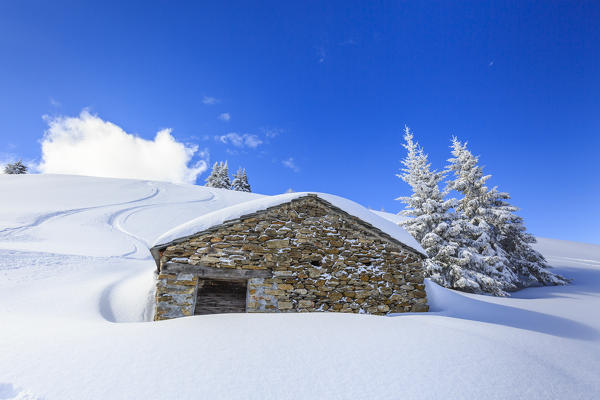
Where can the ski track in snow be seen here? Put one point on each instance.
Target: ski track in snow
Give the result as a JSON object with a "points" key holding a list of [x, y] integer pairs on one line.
{"points": [[118, 220], [8, 232]]}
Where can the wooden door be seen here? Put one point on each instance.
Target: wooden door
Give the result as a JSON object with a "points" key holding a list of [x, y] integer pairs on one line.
{"points": [[220, 296]]}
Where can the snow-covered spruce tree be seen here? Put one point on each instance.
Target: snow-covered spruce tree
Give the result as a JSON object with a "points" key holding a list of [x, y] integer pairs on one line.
{"points": [[15, 168], [498, 236], [245, 183], [432, 223], [529, 265], [224, 181], [219, 176], [212, 180], [236, 183], [240, 181]]}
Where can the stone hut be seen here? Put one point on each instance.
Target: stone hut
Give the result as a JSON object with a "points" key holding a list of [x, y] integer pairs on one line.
{"points": [[289, 253]]}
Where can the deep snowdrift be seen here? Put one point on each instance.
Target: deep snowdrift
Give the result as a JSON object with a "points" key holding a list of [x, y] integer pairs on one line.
{"points": [[76, 282]]}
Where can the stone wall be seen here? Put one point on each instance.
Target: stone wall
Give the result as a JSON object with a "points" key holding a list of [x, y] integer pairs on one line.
{"points": [[305, 255]]}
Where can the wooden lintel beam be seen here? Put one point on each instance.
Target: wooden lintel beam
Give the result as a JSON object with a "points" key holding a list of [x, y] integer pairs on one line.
{"points": [[216, 273]]}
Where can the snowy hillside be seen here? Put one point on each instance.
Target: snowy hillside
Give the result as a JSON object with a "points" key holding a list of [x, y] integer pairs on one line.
{"points": [[76, 282]]}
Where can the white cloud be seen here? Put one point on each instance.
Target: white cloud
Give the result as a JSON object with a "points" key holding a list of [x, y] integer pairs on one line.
{"points": [[88, 145], [204, 154], [210, 100], [252, 141], [289, 163], [238, 140], [272, 132], [225, 117], [54, 102]]}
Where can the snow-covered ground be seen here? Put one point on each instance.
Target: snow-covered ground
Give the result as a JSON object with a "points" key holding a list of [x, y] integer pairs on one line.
{"points": [[76, 282]]}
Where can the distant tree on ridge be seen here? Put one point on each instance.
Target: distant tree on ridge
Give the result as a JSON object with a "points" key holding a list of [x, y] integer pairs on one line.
{"points": [[15, 168], [240, 181], [219, 176]]}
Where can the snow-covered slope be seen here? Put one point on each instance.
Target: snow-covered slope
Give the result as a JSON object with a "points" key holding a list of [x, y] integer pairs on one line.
{"points": [[76, 282]]}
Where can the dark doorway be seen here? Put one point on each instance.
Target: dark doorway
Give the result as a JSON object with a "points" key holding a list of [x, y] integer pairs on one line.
{"points": [[220, 297]]}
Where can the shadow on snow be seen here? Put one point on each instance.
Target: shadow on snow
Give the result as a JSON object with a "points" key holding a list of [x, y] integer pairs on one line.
{"points": [[449, 303]]}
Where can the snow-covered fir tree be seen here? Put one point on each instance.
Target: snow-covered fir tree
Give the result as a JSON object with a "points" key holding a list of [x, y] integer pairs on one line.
{"points": [[15, 168], [219, 176], [240, 181], [487, 256], [224, 176], [451, 261], [501, 243], [429, 211], [529, 264], [245, 184], [236, 183], [426, 204], [211, 180]]}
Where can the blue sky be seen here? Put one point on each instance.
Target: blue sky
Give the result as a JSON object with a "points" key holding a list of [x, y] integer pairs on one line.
{"points": [[326, 88]]}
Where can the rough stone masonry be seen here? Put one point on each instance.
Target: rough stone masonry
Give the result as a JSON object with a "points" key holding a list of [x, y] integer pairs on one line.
{"points": [[303, 255]]}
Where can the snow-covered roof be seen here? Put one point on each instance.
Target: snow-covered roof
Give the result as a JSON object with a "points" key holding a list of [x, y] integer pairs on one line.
{"points": [[233, 212]]}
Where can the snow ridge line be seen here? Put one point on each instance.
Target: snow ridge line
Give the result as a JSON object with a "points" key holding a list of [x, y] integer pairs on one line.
{"points": [[583, 261]]}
